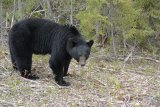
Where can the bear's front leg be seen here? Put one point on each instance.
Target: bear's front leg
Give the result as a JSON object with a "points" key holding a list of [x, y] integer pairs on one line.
{"points": [[57, 69], [65, 67]]}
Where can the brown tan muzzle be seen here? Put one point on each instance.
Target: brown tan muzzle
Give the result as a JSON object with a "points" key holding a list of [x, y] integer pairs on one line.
{"points": [[82, 61]]}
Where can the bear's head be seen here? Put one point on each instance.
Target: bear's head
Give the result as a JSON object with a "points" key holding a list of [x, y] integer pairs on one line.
{"points": [[79, 49]]}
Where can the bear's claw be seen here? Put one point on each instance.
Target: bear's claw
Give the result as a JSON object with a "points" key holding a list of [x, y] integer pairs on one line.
{"points": [[30, 76], [61, 82], [33, 77]]}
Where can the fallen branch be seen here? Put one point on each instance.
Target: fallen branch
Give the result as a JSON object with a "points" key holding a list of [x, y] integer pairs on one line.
{"points": [[146, 58], [36, 12], [3, 68], [127, 58]]}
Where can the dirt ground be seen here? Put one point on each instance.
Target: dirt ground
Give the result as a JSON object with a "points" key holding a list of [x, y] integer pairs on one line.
{"points": [[103, 82]]}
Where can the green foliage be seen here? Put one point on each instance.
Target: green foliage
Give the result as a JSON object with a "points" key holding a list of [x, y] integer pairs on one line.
{"points": [[149, 21], [126, 18], [90, 16], [7, 2], [133, 21], [136, 21], [30, 5]]}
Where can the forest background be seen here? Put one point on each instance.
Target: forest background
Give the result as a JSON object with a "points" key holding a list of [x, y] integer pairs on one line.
{"points": [[123, 68], [113, 23]]}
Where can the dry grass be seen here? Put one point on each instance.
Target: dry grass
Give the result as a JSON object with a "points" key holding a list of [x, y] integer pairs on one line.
{"points": [[99, 84]]}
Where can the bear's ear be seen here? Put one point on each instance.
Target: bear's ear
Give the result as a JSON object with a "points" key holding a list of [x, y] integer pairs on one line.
{"points": [[74, 30], [71, 43], [90, 43]]}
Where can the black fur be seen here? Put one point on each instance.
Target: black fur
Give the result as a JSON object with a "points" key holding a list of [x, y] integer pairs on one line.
{"points": [[41, 36]]}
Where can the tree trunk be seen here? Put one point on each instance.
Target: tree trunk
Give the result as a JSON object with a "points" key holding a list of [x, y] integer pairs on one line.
{"points": [[50, 11], [44, 7], [113, 43], [124, 40], [20, 9], [97, 34], [1, 23], [111, 29], [14, 10], [71, 15]]}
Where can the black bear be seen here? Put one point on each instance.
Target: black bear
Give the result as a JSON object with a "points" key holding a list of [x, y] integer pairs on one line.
{"points": [[42, 36]]}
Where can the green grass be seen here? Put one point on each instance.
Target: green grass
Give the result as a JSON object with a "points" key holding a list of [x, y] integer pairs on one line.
{"points": [[101, 82]]}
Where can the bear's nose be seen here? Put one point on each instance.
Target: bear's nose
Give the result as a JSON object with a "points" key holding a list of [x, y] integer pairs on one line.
{"points": [[82, 65], [82, 61]]}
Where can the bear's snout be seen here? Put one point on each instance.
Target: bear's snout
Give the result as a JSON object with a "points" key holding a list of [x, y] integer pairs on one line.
{"points": [[82, 61]]}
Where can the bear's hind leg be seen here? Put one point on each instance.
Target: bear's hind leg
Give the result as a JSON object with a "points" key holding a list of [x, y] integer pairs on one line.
{"points": [[24, 66], [12, 58], [13, 62]]}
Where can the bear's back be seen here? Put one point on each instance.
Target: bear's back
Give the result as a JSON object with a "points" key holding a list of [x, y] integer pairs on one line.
{"points": [[35, 23], [42, 34]]}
